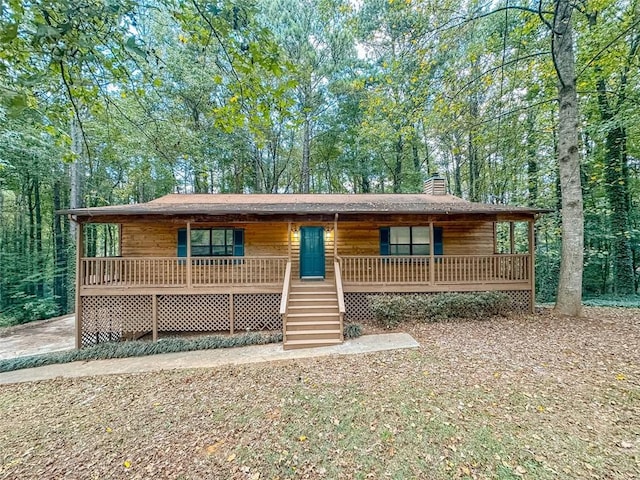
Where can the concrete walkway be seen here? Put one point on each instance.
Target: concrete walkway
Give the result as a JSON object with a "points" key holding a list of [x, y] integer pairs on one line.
{"points": [[208, 358], [38, 337]]}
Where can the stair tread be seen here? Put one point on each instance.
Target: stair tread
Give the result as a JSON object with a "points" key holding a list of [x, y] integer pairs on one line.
{"points": [[298, 315], [314, 322], [313, 287], [313, 332], [312, 299], [313, 294], [302, 307], [308, 289], [333, 341]]}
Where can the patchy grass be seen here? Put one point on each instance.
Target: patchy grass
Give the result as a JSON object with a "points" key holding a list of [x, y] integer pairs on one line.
{"points": [[627, 301], [534, 397]]}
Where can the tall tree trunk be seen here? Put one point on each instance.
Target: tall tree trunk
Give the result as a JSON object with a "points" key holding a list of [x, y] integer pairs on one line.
{"points": [[569, 298], [32, 236], [38, 239], [532, 162], [457, 175], [59, 253], [472, 153], [75, 173], [617, 170], [397, 167], [4, 237], [474, 170], [305, 174], [427, 156], [617, 177]]}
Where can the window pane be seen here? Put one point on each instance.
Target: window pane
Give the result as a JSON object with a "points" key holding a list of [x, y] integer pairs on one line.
{"points": [[217, 237], [421, 249], [400, 250], [199, 237], [400, 235], [219, 250], [199, 251], [420, 235], [229, 234]]}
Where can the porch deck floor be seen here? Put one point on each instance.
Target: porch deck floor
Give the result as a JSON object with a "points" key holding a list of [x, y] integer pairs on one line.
{"points": [[208, 358]]}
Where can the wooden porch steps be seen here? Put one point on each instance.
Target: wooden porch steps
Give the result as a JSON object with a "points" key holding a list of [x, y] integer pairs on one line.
{"points": [[313, 318]]}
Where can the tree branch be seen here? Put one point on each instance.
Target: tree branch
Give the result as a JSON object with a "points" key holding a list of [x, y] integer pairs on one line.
{"points": [[222, 45], [76, 109], [493, 69], [608, 46], [536, 11]]}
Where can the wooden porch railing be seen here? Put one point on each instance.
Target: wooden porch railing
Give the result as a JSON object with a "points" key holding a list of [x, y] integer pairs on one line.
{"points": [[339, 291], [173, 271], [384, 269], [457, 269], [237, 270], [284, 301], [134, 271], [446, 269]]}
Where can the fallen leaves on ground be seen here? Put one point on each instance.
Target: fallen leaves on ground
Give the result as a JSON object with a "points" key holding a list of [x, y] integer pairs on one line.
{"points": [[533, 396]]}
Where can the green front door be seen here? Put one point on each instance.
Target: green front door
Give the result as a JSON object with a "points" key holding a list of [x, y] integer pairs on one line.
{"points": [[311, 252]]}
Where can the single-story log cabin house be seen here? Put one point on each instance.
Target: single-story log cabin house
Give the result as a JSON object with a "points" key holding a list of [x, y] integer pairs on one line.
{"points": [[300, 263]]}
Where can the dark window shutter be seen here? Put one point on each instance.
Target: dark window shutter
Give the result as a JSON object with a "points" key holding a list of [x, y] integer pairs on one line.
{"points": [[238, 243], [182, 242], [437, 241], [384, 240]]}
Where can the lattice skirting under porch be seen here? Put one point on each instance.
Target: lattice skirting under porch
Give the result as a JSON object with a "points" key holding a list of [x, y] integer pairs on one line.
{"points": [[357, 303], [110, 318]]}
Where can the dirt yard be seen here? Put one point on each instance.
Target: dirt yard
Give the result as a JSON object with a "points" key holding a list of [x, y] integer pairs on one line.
{"points": [[33, 338], [533, 397]]}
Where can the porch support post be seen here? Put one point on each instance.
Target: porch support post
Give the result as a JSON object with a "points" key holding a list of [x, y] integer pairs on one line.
{"points": [[231, 313], [512, 245], [79, 278], [189, 278], [532, 265], [289, 240], [120, 239], [154, 310], [335, 237], [432, 260]]}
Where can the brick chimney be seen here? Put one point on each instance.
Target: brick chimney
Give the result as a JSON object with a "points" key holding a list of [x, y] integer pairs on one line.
{"points": [[435, 185]]}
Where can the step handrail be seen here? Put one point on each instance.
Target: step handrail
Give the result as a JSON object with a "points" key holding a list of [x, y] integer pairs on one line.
{"points": [[340, 293], [284, 302]]}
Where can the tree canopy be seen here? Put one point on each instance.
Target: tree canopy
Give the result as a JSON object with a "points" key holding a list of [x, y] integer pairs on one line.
{"points": [[119, 101]]}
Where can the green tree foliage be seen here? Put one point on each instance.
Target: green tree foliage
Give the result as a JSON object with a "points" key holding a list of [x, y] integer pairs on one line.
{"points": [[119, 101]]}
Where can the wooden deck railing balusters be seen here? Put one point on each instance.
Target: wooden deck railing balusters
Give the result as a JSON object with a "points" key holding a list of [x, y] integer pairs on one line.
{"points": [[269, 270], [443, 269]]}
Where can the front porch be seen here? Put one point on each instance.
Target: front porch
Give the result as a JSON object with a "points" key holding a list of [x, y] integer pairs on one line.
{"points": [[263, 274], [123, 296], [252, 266]]}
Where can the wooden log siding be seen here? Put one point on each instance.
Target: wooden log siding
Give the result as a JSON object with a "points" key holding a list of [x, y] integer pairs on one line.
{"points": [[459, 238], [161, 239]]}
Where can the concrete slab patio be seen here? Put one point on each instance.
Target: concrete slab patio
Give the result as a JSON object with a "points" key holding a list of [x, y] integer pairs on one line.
{"points": [[208, 358]]}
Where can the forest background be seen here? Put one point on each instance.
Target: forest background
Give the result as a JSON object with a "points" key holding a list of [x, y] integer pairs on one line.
{"points": [[118, 101]]}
